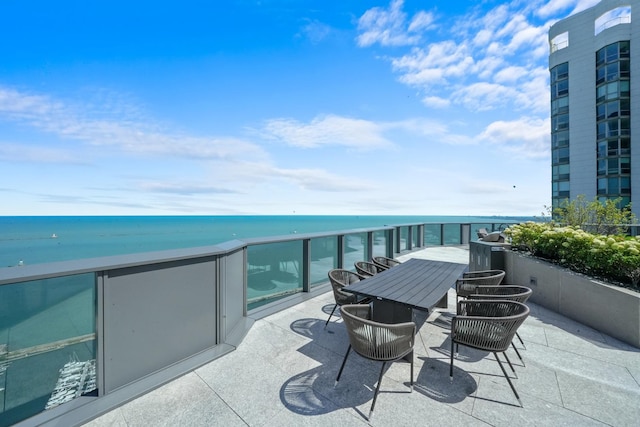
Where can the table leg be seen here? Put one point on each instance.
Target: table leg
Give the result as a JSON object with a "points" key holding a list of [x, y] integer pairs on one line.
{"points": [[444, 301], [391, 312]]}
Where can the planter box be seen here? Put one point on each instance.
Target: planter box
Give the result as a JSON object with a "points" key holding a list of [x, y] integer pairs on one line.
{"points": [[610, 309]]}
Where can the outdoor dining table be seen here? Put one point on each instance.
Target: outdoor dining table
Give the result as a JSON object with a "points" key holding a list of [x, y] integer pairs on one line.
{"points": [[415, 284]]}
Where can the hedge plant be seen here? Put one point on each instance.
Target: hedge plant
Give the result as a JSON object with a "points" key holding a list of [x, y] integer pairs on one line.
{"points": [[614, 258]]}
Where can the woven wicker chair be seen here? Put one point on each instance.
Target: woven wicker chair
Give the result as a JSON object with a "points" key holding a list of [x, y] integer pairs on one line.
{"points": [[381, 342], [385, 262], [340, 278], [506, 292], [488, 325], [368, 269], [470, 280]]}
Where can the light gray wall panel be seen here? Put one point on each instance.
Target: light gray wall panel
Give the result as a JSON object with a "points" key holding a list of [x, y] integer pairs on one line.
{"points": [[155, 316], [232, 268]]}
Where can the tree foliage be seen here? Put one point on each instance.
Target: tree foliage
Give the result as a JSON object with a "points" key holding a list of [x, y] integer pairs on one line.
{"points": [[604, 218]]}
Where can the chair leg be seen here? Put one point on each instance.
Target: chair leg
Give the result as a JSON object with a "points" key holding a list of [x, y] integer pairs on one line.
{"points": [[508, 379], [375, 395], [451, 366], [518, 353], [411, 382], [510, 365], [521, 342], [344, 362], [334, 309]]}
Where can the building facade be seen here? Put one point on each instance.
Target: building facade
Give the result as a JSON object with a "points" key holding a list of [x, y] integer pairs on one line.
{"points": [[594, 65]]}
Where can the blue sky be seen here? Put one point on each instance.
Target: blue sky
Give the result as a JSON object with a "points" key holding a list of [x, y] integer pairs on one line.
{"points": [[276, 107]]}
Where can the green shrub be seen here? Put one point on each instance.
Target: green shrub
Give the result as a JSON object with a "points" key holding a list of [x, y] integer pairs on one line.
{"points": [[615, 258]]}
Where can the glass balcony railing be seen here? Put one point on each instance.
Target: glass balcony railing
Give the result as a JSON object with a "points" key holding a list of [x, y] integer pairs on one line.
{"points": [[81, 330], [273, 270], [323, 257], [47, 344]]}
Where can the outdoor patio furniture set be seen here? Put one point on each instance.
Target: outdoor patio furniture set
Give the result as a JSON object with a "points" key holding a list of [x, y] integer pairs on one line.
{"points": [[488, 313]]}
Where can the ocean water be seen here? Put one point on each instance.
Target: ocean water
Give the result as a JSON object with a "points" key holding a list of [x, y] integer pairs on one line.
{"points": [[40, 239]]}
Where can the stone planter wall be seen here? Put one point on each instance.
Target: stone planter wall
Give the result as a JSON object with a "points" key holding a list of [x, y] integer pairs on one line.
{"points": [[610, 309]]}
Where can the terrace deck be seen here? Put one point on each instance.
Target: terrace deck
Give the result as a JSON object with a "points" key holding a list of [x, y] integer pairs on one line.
{"points": [[283, 374]]}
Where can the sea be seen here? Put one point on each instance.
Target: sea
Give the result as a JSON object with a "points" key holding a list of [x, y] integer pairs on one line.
{"points": [[40, 239]]}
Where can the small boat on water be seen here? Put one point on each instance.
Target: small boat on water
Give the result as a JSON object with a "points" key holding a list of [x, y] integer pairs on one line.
{"points": [[54, 236]]}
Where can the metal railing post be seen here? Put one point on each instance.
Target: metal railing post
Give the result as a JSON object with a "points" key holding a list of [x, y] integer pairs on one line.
{"points": [[306, 265]]}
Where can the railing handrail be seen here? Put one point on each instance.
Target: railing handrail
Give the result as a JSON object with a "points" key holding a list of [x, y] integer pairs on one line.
{"points": [[612, 23], [28, 272]]}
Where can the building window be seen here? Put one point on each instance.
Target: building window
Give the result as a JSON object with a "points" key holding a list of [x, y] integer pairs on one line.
{"points": [[559, 81], [611, 18], [613, 127], [559, 42], [560, 139], [560, 122]]}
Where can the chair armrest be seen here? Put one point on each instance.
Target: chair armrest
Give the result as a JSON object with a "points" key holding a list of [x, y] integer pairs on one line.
{"points": [[466, 287], [344, 297]]}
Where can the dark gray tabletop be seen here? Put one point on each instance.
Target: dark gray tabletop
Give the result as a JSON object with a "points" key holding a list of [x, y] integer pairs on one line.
{"points": [[417, 283]]}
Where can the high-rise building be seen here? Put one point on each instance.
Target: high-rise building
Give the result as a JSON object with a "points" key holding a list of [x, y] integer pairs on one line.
{"points": [[594, 63]]}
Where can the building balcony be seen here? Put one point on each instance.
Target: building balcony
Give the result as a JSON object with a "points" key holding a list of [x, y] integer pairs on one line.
{"points": [[284, 370], [191, 337]]}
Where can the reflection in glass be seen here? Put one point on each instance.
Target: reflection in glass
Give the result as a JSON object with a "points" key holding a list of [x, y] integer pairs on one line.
{"points": [[324, 257], [274, 270], [355, 249], [47, 344], [404, 238], [414, 236], [452, 234], [380, 243], [432, 234]]}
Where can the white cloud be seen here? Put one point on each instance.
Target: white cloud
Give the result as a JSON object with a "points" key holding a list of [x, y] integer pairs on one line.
{"points": [[434, 66], [11, 152], [100, 129], [19, 106], [482, 37], [436, 130], [439, 55], [510, 74], [487, 60], [527, 136], [554, 6], [557, 6], [424, 78], [530, 37], [436, 102], [488, 66], [388, 27], [328, 130], [534, 92], [316, 31], [181, 188], [422, 21], [483, 96], [321, 180]]}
